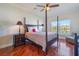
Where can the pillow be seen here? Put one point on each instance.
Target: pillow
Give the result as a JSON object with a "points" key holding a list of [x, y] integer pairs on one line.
{"points": [[32, 29]]}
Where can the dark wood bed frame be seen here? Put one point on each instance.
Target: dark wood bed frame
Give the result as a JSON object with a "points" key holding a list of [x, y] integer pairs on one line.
{"points": [[48, 43]]}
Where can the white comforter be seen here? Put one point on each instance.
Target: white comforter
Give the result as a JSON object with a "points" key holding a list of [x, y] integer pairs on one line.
{"points": [[39, 37]]}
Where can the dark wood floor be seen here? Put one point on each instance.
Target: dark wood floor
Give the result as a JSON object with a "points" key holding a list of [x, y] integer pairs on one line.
{"points": [[64, 49]]}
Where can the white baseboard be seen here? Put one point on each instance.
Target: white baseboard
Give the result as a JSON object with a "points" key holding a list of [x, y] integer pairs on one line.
{"points": [[6, 45]]}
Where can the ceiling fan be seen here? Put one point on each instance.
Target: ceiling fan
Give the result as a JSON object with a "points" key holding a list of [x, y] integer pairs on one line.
{"points": [[47, 6]]}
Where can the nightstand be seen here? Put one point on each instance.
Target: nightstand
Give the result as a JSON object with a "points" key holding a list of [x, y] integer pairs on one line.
{"points": [[19, 39]]}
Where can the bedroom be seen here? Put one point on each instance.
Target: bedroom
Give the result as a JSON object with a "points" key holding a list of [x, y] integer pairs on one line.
{"points": [[35, 19]]}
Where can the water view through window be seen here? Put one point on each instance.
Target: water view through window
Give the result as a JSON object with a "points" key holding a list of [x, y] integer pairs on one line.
{"points": [[63, 25]]}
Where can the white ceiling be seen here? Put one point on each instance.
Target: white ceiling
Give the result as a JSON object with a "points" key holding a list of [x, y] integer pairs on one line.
{"points": [[12, 12], [63, 8]]}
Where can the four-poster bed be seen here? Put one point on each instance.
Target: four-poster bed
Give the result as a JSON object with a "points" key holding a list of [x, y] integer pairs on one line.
{"points": [[43, 38]]}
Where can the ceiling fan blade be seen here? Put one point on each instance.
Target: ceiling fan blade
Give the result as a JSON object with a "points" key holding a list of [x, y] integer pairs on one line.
{"points": [[40, 6], [56, 5]]}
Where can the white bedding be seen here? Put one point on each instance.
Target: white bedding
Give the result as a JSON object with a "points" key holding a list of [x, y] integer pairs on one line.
{"points": [[39, 37]]}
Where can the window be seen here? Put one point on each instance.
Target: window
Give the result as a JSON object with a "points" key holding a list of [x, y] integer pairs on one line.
{"points": [[63, 25]]}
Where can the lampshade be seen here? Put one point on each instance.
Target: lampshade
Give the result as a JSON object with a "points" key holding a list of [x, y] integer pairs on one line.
{"points": [[19, 23]]}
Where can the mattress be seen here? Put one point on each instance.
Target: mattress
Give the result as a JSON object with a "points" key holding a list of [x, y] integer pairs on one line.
{"points": [[39, 38]]}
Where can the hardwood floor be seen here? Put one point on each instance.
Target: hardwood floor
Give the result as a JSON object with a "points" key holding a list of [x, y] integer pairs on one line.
{"points": [[64, 49], [24, 50]]}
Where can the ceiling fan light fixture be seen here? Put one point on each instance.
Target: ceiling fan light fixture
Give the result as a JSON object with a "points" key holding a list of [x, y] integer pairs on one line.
{"points": [[47, 8]]}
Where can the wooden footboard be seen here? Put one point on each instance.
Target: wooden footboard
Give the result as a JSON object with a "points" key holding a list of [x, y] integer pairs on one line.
{"points": [[49, 43], [37, 45]]}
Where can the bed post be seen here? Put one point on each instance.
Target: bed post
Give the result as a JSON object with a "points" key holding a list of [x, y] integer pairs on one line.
{"points": [[38, 24], [46, 35], [76, 45], [57, 32], [24, 25]]}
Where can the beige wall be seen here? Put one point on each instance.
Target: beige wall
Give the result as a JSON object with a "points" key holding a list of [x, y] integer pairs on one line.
{"points": [[9, 15]]}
